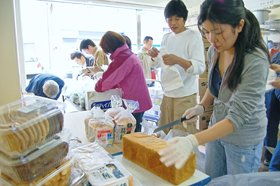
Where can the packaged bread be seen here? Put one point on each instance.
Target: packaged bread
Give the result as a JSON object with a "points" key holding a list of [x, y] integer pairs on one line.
{"points": [[27, 123], [110, 174], [89, 156], [58, 176], [125, 124], [143, 149], [102, 130], [27, 169], [86, 126]]}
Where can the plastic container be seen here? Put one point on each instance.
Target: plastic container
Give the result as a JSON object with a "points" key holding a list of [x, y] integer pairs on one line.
{"points": [[27, 123], [78, 178], [59, 176], [27, 169]]}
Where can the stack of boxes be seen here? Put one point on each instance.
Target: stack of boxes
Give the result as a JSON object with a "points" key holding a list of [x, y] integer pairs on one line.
{"points": [[32, 148], [202, 79]]}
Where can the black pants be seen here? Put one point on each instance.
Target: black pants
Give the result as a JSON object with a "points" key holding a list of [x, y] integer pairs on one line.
{"points": [[138, 116]]}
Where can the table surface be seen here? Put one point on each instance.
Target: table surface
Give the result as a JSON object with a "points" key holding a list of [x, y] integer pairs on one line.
{"points": [[74, 121]]}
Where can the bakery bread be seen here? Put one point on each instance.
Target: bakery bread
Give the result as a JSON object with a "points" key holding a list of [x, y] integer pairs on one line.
{"points": [[143, 149]]}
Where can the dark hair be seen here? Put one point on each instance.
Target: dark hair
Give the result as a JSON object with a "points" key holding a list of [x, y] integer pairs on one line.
{"points": [[128, 41], [176, 7], [111, 41], [249, 39], [84, 44], [76, 54], [147, 38]]}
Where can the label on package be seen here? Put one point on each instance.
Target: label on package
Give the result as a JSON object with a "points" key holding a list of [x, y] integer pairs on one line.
{"points": [[109, 175], [106, 136]]}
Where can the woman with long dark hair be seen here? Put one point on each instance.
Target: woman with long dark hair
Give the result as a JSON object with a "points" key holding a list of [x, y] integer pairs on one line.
{"points": [[238, 68]]}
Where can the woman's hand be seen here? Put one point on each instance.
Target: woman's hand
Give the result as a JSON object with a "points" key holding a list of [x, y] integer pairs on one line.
{"points": [[276, 82], [198, 110], [275, 67], [179, 151]]}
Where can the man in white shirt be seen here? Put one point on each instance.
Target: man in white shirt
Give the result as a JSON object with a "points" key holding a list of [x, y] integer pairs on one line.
{"points": [[181, 58]]}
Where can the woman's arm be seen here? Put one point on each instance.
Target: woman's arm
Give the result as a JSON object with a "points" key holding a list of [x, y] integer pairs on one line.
{"points": [[219, 130]]}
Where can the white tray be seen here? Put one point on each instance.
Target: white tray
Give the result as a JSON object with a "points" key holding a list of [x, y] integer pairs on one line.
{"points": [[147, 178]]}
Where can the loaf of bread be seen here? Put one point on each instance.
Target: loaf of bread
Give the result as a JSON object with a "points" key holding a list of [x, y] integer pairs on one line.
{"points": [[143, 149], [29, 168], [21, 131]]}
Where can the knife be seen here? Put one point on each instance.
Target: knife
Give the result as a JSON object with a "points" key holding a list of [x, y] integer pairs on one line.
{"points": [[172, 123]]}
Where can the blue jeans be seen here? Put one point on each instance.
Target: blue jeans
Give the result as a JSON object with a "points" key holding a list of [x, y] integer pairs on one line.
{"points": [[138, 117], [272, 112], [275, 160], [223, 158]]}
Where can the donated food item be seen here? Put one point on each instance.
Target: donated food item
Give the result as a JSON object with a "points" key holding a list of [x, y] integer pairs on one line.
{"points": [[110, 174], [78, 178], [22, 129], [143, 149], [28, 168], [112, 112], [86, 126], [102, 130], [58, 176], [90, 156], [125, 124]]}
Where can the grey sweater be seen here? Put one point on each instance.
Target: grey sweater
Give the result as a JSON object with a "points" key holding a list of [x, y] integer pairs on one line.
{"points": [[245, 107]]}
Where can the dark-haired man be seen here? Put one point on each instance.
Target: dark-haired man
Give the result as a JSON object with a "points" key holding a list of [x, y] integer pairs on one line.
{"points": [[181, 59], [145, 58], [81, 59], [89, 47]]}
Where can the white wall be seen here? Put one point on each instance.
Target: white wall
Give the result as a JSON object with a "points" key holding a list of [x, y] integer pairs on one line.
{"points": [[9, 76]]}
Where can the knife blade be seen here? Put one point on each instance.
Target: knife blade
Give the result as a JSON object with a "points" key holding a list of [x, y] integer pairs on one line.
{"points": [[172, 124]]}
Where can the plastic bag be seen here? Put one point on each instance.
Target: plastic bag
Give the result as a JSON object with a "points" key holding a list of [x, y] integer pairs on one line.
{"points": [[271, 77], [131, 105], [116, 101], [148, 127]]}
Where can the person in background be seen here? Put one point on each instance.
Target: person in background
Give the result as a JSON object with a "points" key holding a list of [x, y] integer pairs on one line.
{"points": [[274, 163], [182, 59], [238, 68], [128, 41], [272, 102], [45, 85], [124, 72], [89, 47], [143, 55], [81, 59]]}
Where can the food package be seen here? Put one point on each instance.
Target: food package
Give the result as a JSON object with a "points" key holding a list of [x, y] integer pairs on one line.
{"points": [[110, 174], [78, 178], [27, 169], [27, 123], [58, 176], [89, 156], [101, 130], [125, 124]]}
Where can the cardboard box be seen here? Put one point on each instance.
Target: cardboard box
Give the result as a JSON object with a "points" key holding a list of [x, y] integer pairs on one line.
{"points": [[100, 99], [204, 120], [202, 86]]}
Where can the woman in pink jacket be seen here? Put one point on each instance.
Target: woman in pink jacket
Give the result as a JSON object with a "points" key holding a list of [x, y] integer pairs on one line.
{"points": [[125, 72]]}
